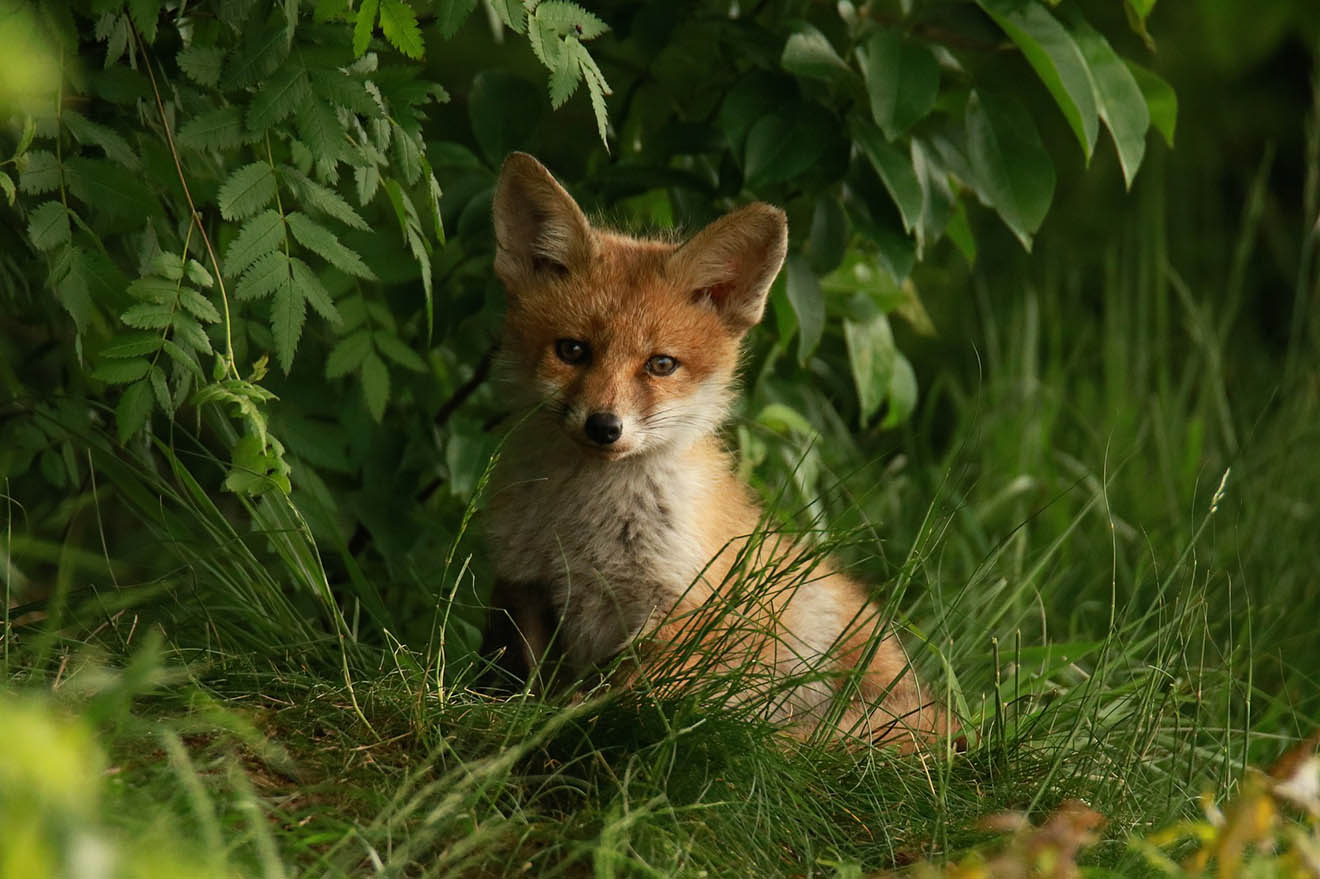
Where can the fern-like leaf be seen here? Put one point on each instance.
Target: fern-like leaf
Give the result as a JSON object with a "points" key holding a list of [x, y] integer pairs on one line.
{"points": [[248, 190], [399, 24]]}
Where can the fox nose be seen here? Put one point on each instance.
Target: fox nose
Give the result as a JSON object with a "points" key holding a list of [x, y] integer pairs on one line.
{"points": [[603, 428]]}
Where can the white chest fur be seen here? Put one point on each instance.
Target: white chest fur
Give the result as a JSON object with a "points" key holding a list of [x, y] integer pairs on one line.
{"points": [[614, 542]]}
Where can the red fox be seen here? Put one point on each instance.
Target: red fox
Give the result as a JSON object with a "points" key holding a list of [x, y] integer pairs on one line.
{"points": [[614, 512]]}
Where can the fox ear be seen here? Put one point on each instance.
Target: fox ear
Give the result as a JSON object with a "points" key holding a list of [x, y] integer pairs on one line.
{"points": [[732, 262], [538, 226]]}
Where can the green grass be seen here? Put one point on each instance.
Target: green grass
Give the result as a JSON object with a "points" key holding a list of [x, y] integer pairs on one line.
{"points": [[1098, 534]]}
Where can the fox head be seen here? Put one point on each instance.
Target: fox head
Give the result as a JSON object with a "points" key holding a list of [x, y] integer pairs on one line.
{"points": [[630, 344]]}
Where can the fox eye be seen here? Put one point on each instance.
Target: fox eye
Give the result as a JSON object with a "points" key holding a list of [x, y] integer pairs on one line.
{"points": [[661, 364], [571, 350]]}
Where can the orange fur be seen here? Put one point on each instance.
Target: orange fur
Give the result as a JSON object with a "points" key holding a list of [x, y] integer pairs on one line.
{"points": [[614, 500]]}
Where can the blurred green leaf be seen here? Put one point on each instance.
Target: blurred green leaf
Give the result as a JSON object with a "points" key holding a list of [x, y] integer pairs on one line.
{"points": [[808, 304], [902, 80], [1161, 100], [1118, 97], [1014, 172]]}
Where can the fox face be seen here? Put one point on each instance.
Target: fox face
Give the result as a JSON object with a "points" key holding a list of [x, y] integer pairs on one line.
{"points": [[629, 344]]}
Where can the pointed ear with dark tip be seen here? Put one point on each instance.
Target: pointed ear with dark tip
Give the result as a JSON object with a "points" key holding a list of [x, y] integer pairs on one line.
{"points": [[538, 226], [732, 262]]}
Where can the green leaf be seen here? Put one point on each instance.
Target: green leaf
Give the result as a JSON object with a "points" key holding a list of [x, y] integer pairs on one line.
{"points": [[310, 288], [451, 14], [132, 410], [115, 147], [8, 187], [399, 24], [189, 332], [504, 110], [828, 238], [785, 419], [104, 186], [785, 143], [198, 305], [512, 13], [804, 294], [161, 291], [161, 390], [71, 278], [1014, 174], [281, 96], [1161, 100], [248, 190], [145, 15], [902, 392], [132, 345], [348, 354], [202, 64], [570, 19], [322, 241], [121, 372], [1052, 52], [564, 81], [323, 199], [287, 314], [895, 170], [364, 25], [375, 385], [39, 171], [902, 81], [266, 275], [394, 348], [1117, 95], [220, 129], [319, 127], [597, 87], [871, 355], [48, 225], [151, 315], [259, 236], [808, 53]]}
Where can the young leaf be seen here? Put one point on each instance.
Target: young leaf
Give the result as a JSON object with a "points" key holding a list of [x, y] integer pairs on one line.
{"points": [[902, 81], [48, 225], [399, 24], [132, 410], [1013, 171], [259, 236], [348, 354], [1051, 51], [8, 187], [248, 190], [321, 240], [570, 19], [804, 293], [375, 385], [363, 26], [895, 170], [1117, 95]]}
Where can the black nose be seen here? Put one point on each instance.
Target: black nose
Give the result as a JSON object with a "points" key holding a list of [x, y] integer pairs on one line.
{"points": [[603, 428]]}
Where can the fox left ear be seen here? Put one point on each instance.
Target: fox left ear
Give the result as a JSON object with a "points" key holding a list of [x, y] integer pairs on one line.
{"points": [[733, 261], [538, 225]]}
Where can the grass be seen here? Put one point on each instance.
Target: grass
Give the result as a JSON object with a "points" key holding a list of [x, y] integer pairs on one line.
{"points": [[1098, 534]]}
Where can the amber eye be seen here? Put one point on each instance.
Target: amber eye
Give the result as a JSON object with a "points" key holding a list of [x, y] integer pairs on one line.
{"points": [[571, 350], [661, 364]]}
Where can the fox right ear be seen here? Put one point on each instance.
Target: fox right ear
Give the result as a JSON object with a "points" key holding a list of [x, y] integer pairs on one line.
{"points": [[538, 226], [731, 264]]}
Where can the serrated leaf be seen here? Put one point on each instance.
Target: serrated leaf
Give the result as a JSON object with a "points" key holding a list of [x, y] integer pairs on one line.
{"points": [[220, 129], [319, 128], [266, 275], [132, 410], [1013, 171], [451, 14], [8, 187], [184, 358], [281, 96], [121, 372], [145, 15], [808, 53], [804, 294], [322, 241], [161, 291], [395, 349], [259, 236], [310, 288], [40, 172], [132, 345], [1118, 98], [1161, 100], [902, 81], [364, 25], [348, 354], [871, 356], [323, 199], [48, 225], [564, 81], [570, 19], [198, 274], [161, 390], [1054, 55], [399, 24], [151, 315], [198, 305], [375, 384], [597, 87], [71, 279], [287, 314], [105, 187], [248, 190], [512, 13], [202, 64], [895, 170], [115, 147], [189, 332]]}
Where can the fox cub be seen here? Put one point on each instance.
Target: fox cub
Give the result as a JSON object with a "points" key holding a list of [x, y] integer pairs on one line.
{"points": [[613, 510]]}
